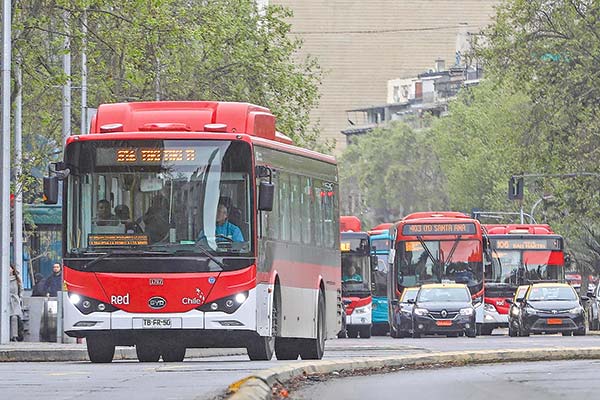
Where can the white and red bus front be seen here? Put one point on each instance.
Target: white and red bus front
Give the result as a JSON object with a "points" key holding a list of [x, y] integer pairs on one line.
{"points": [[159, 258], [518, 258], [356, 283]]}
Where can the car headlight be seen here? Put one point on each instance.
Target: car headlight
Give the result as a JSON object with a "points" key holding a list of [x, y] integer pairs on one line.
{"points": [[530, 311], [576, 310], [466, 311], [421, 311]]}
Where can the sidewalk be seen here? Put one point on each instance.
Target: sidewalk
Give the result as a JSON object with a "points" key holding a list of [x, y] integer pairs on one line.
{"points": [[38, 352]]}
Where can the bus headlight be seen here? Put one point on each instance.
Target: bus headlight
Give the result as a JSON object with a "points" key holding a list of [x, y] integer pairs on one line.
{"points": [[87, 305], [74, 298], [227, 304]]}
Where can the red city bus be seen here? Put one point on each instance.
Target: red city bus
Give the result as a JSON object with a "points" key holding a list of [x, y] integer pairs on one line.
{"points": [[521, 254], [435, 247], [356, 270], [196, 224]]}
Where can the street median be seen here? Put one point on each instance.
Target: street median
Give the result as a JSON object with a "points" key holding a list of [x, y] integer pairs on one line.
{"points": [[259, 385]]}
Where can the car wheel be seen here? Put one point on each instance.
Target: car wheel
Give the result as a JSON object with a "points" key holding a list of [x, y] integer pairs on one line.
{"points": [[580, 332], [567, 333], [471, 332]]}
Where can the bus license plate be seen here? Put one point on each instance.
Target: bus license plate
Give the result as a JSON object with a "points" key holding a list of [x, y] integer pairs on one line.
{"points": [[157, 323], [444, 323], [554, 321]]}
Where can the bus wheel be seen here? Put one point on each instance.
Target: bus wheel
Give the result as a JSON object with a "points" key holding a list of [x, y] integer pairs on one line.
{"points": [[147, 351], [486, 330], [100, 348], [173, 353], [352, 332], [313, 349], [365, 332], [286, 348], [261, 348]]}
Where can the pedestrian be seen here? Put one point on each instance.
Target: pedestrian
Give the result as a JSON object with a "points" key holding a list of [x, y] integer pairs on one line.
{"points": [[39, 285], [54, 281], [16, 311]]}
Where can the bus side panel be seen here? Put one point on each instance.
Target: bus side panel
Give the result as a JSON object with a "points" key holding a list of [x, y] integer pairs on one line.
{"points": [[299, 284]]}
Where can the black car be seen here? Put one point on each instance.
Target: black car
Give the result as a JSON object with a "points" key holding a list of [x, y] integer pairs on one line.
{"points": [[402, 314], [548, 308], [444, 308]]}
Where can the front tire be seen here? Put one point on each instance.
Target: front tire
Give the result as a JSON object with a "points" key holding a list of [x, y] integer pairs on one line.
{"points": [[100, 348], [471, 332], [286, 349], [261, 348], [352, 332], [365, 332], [173, 353], [147, 352], [313, 349]]}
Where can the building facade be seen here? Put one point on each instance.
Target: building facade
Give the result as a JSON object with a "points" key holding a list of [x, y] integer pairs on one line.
{"points": [[361, 45]]}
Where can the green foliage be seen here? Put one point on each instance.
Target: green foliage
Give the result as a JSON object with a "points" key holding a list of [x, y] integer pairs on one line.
{"points": [[395, 170], [168, 49]]}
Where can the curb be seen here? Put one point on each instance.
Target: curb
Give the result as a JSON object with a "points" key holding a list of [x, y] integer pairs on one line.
{"points": [[259, 386], [124, 353]]}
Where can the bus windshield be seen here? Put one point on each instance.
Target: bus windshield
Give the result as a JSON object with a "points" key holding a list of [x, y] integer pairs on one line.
{"points": [[459, 261], [381, 249], [517, 267], [176, 196]]}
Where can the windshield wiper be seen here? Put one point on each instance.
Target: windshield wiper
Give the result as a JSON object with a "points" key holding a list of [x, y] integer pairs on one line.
{"points": [[171, 248], [454, 246], [429, 253], [112, 253]]}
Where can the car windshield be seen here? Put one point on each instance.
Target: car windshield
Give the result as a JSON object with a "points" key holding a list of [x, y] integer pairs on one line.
{"points": [[434, 295], [184, 196], [409, 295], [552, 294]]}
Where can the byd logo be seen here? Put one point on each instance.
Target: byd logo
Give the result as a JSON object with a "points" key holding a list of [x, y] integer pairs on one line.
{"points": [[157, 302]]}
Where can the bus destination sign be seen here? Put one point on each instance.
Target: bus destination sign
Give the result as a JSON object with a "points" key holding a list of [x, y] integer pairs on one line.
{"points": [[112, 240], [144, 156], [526, 244], [439, 229]]}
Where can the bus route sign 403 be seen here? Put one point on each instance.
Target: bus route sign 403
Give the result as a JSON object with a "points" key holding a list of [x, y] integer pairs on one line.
{"points": [[439, 229]]}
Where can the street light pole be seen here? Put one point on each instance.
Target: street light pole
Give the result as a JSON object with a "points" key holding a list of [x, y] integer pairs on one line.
{"points": [[5, 174], [547, 197]]}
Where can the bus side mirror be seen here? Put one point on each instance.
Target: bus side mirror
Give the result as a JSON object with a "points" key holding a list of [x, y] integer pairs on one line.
{"points": [[50, 190], [374, 262], [266, 193], [394, 302]]}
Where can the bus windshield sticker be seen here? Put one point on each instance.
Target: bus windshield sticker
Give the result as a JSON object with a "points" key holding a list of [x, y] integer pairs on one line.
{"points": [[111, 240], [439, 229]]}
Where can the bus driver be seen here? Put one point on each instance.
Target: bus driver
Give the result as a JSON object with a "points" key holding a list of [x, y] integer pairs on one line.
{"points": [[224, 228]]}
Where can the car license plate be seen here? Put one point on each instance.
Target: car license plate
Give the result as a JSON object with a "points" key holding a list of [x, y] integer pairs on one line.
{"points": [[554, 321], [444, 323], [157, 323]]}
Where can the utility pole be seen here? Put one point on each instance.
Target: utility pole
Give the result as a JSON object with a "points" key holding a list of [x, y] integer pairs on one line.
{"points": [[5, 175], [18, 210], [66, 106], [84, 74]]}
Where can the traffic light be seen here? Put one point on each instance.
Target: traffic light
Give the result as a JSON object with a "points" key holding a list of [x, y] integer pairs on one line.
{"points": [[515, 188]]}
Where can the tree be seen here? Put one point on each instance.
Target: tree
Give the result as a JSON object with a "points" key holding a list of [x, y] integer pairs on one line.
{"points": [[395, 170], [167, 49]]}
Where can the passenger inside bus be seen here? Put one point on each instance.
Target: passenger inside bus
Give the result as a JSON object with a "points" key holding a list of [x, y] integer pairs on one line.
{"points": [[103, 215], [156, 219]]}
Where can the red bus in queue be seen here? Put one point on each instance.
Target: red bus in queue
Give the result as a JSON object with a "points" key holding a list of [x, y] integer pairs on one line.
{"points": [[356, 278], [435, 247], [520, 254], [196, 224]]}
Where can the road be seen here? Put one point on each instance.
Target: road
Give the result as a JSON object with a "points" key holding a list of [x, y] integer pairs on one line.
{"points": [[208, 377], [531, 381]]}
